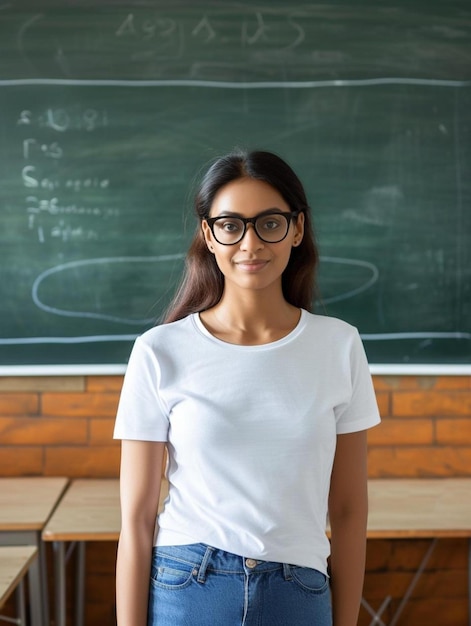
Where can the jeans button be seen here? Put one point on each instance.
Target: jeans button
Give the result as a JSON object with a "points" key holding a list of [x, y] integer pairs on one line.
{"points": [[250, 563]]}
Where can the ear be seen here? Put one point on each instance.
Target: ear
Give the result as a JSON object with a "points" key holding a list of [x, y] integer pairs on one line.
{"points": [[208, 235], [298, 230]]}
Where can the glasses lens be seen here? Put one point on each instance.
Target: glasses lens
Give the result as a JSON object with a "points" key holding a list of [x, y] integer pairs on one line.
{"points": [[228, 230], [272, 228]]}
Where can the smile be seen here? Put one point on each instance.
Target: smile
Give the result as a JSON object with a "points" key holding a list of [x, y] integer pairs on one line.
{"points": [[251, 265]]}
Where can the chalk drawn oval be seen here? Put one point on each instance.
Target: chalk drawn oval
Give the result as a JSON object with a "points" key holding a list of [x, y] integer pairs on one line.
{"points": [[114, 288], [345, 278], [110, 289]]}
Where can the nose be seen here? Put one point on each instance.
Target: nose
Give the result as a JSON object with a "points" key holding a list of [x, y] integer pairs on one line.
{"points": [[250, 240]]}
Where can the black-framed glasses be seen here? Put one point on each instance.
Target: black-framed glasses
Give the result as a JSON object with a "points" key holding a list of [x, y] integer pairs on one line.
{"points": [[270, 227]]}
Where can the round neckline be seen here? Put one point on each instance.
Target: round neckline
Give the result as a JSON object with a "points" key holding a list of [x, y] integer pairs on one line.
{"points": [[262, 346]]}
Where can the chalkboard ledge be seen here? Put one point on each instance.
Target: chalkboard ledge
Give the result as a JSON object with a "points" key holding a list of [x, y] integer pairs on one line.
{"points": [[376, 369]]}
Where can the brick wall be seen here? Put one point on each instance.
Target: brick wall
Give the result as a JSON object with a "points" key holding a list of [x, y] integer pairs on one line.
{"points": [[63, 426]]}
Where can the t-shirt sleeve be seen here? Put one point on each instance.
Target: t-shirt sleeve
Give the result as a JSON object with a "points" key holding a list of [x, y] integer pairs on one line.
{"points": [[361, 411], [141, 414]]}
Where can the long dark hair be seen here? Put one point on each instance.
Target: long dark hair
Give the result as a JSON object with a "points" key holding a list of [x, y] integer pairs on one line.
{"points": [[202, 284]]}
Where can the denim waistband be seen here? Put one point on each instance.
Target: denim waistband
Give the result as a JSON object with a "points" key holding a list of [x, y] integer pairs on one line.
{"points": [[204, 558]]}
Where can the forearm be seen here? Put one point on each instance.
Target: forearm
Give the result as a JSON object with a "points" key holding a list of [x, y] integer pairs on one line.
{"points": [[140, 477], [132, 576], [347, 565]]}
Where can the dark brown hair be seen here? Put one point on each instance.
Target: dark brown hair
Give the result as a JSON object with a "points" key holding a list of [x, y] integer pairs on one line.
{"points": [[203, 283]]}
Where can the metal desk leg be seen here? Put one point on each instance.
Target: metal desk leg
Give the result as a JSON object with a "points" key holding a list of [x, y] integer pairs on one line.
{"points": [[469, 581], [20, 603], [59, 582], [44, 587], [376, 615], [36, 585], [35, 593], [80, 584]]}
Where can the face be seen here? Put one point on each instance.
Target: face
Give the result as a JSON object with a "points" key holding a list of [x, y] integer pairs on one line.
{"points": [[252, 263]]}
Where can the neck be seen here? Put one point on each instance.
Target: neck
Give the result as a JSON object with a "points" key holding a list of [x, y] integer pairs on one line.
{"points": [[251, 319]]}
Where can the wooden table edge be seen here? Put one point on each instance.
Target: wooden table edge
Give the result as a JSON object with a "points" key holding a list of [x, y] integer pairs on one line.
{"points": [[420, 534], [50, 536], [25, 567], [37, 525]]}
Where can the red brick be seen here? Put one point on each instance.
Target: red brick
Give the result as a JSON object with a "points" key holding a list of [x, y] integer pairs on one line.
{"points": [[431, 403], [445, 584], [384, 403], [433, 611], [380, 584], [393, 432], [24, 431], [101, 556], [83, 462], [100, 587], [80, 404], [102, 614], [101, 432], [448, 554], [19, 404], [21, 461], [104, 383], [454, 382], [416, 461], [378, 554], [453, 431]]}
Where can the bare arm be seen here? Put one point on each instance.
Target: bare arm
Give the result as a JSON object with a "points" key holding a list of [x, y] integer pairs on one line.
{"points": [[141, 470], [348, 511]]}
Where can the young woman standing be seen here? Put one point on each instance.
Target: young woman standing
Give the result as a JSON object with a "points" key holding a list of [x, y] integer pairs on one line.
{"points": [[263, 409]]}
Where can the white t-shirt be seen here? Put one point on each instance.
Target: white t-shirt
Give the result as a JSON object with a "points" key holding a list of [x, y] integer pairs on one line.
{"points": [[251, 432]]}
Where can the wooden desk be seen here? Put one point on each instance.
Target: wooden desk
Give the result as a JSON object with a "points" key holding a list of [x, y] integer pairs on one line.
{"points": [[406, 508], [25, 507], [399, 508], [89, 511], [15, 561]]}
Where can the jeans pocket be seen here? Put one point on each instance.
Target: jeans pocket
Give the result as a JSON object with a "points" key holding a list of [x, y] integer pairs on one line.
{"points": [[310, 579], [169, 573]]}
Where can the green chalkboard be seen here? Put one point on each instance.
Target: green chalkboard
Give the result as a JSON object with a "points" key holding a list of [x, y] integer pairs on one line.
{"points": [[109, 110]]}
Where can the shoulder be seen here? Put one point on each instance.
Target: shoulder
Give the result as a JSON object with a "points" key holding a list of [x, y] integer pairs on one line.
{"points": [[164, 333], [324, 325], [332, 336]]}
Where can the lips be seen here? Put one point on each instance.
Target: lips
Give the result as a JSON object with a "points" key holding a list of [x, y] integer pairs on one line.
{"points": [[251, 264]]}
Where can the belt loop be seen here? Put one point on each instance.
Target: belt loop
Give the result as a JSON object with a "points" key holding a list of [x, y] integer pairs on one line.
{"points": [[287, 572], [204, 565]]}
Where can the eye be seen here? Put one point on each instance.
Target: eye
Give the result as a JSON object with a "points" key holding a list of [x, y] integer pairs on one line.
{"points": [[271, 222], [229, 225]]}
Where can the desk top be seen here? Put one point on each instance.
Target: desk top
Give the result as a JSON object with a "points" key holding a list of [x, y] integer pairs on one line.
{"points": [[89, 511], [422, 507], [402, 507], [14, 563], [27, 503]]}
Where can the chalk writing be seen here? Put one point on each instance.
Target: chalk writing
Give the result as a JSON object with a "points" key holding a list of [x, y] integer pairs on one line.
{"points": [[52, 212], [52, 150], [255, 29], [53, 207], [31, 179], [65, 232], [62, 120]]}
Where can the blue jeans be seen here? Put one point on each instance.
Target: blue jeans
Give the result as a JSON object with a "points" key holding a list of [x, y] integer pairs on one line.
{"points": [[197, 585]]}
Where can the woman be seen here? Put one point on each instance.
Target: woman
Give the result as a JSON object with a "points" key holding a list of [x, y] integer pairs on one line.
{"points": [[263, 408]]}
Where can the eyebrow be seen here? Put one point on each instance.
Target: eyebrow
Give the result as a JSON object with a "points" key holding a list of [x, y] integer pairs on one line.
{"points": [[265, 212]]}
